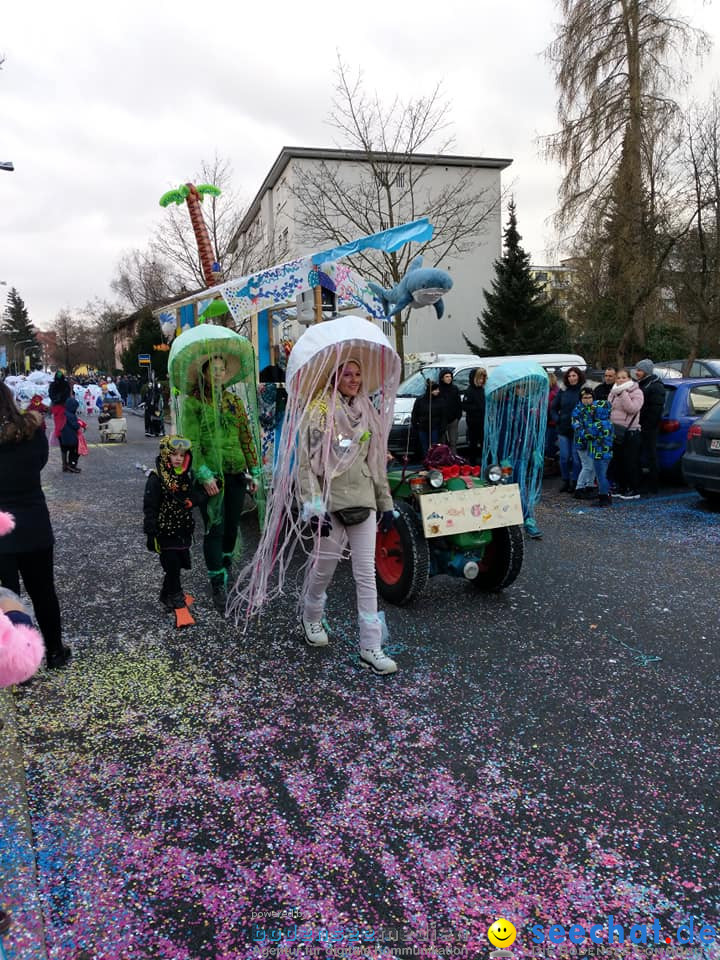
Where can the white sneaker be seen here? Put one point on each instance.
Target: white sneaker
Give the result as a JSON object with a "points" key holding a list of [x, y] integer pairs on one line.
{"points": [[315, 633], [377, 661]]}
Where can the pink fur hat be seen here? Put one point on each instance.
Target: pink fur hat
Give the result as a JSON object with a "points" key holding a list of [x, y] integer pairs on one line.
{"points": [[21, 647], [21, 651], [7, 523]]}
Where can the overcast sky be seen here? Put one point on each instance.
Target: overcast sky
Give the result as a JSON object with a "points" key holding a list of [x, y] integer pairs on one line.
{"points": [[104, 106]]}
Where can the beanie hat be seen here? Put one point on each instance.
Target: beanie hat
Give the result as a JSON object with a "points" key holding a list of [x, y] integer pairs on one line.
{"points": [[647, 367]]}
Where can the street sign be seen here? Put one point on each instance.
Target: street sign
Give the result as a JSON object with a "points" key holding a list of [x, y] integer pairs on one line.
{"points": [[144, 359]]}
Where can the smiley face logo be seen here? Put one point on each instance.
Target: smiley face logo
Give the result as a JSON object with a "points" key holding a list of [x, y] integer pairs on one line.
{"points": [[502, 933]]}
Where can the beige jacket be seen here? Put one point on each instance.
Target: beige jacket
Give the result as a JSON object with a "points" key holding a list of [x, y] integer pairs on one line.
{"points": [[355, 488]]}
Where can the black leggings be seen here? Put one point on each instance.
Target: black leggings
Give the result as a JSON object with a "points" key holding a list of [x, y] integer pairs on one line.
{"points": [[69, 455], [36, 570], [172, 562], [220, 539]]}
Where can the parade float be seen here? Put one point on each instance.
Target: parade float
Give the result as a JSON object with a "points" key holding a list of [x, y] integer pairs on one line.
{"points": [[450, 518]]}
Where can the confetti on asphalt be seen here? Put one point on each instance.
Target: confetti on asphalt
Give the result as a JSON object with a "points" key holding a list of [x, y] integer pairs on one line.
{"points": [[181, 784]]}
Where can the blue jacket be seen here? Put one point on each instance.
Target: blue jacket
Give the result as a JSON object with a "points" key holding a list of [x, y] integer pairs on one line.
{"points": [[561, 409], [593, 430], [69, 433]]}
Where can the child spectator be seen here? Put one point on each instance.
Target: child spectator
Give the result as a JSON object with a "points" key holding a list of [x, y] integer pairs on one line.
{"points": [[170, 495], [69, 438], [594, 441]]}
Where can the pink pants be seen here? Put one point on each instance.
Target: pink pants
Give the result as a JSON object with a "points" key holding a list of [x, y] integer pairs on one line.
{"points": [[361, 537]]}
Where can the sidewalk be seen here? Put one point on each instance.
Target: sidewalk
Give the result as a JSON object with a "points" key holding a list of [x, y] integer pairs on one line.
{"points": [[18, 880]]}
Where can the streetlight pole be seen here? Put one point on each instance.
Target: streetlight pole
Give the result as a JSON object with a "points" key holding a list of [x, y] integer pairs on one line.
{"points": [[26, 352], [17, 344]]}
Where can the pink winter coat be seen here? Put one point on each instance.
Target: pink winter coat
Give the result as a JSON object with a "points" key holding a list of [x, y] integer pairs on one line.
{"points": [[625, 402]]}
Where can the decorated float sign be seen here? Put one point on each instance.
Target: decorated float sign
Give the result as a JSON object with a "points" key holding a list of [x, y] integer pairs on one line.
{"points": [[463, 511]]}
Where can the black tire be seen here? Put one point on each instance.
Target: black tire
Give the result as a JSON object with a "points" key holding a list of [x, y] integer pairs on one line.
{"points": [[502, 560], [712, 496], [411, 551]]}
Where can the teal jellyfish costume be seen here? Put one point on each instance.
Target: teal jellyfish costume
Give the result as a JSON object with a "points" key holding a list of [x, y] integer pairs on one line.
{"points": [[516, 399], [221, 420]]}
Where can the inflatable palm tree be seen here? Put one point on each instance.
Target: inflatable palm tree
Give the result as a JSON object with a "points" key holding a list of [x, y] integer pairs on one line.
{"points": [[193, 196]]}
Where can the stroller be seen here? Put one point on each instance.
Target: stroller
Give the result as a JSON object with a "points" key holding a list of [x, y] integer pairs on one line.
{"points": [[112, 423]]}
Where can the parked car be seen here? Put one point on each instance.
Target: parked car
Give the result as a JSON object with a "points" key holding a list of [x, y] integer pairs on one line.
{"points": [[698, 368], [401, 435], [701, 461], [686, 400]]}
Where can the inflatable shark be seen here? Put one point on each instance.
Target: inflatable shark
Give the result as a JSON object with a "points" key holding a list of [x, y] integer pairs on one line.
{"points": [[420, 287]]}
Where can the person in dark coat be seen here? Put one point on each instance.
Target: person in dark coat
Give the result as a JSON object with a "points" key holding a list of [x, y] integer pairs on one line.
{"points": [[59, 393], [429, 417], [602, 390], [27, 551], [561, 411], [69, 438], [154, 411], [650, 416], [474, 406], [453, 406]]}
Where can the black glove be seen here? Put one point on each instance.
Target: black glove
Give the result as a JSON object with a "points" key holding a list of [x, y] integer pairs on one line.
{"points": [[150, 543], [387, 521], [321, 525]]}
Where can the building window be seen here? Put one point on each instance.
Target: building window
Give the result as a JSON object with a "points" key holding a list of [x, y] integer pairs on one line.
{"points": [[400, 181]]}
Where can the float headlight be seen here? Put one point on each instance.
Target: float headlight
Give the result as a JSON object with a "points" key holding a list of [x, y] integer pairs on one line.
{"points": [[436, 479], [495, 473]]}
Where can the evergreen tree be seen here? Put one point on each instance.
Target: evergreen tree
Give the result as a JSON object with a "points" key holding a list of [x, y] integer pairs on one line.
{"points": [[147, 336], [16, 322], [518, 317]]}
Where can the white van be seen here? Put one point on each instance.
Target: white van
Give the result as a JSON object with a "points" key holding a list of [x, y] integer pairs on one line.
{"points": [[461, 365]]}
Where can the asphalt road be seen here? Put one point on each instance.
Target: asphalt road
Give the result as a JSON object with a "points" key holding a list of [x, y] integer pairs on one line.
{"points": [[548, 754]]}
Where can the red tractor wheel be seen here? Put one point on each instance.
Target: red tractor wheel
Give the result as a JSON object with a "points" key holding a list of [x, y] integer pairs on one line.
{"points": [[402, 558]]}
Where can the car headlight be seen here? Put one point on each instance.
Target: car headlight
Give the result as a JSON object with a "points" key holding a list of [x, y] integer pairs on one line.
{"points": [[436, 479], [495, 473]]}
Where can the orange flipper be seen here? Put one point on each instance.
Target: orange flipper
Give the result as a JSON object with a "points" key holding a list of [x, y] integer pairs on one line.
{"points": [[189, 600], [183, 617]]}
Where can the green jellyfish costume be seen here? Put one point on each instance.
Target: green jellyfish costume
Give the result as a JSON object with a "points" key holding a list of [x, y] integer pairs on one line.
{"points": [[219, 414]]}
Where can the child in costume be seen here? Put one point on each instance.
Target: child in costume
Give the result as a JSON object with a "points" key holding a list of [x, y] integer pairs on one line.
{"points": [[227, 464], [170, 495]]}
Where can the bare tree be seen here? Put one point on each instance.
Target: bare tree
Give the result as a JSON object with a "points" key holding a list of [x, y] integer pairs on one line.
{"points": [[616, 65], [95, 327], [142, 279], [170, 266], [392, 183], [68, 341], [174, 240], [694, 270]]}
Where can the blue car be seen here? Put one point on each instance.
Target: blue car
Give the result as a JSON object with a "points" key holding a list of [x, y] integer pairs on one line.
{"points": [[686, 400]]}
